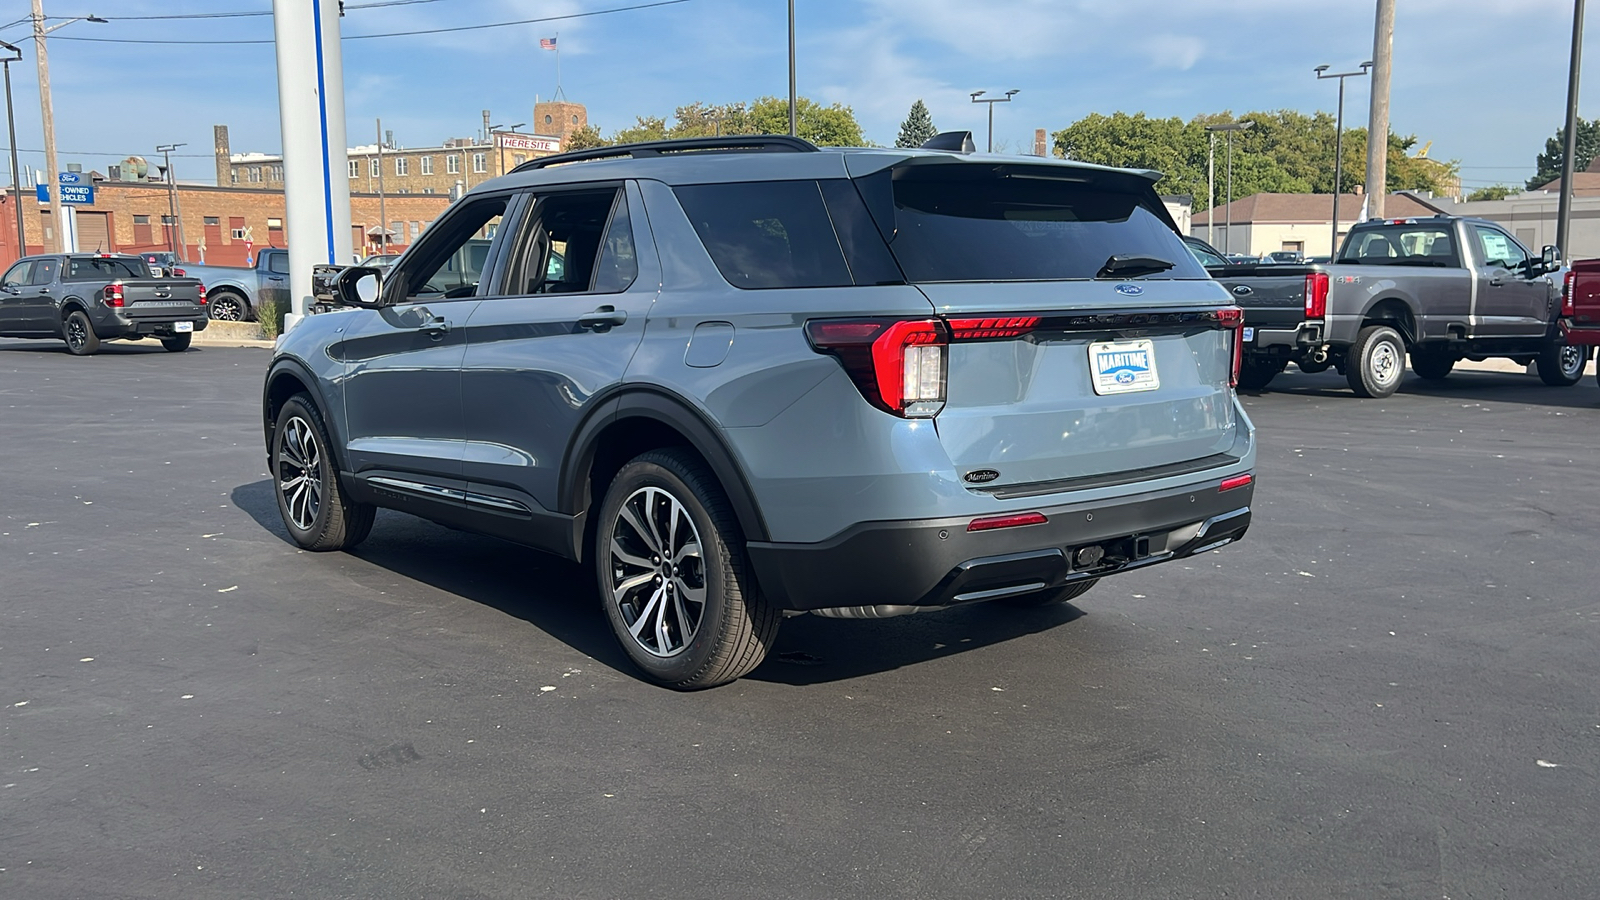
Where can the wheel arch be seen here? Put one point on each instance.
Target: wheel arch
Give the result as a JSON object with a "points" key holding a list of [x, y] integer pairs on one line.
{"points": [[286, 378], [636, 421], [1396, 312], [66, 308]]}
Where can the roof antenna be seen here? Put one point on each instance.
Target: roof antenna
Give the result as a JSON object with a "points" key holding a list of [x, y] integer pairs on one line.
{"points": [[953, 141]]}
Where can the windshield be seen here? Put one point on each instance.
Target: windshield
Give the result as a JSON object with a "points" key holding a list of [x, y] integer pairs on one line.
{"points": [[1401, 245], [970, 223]]}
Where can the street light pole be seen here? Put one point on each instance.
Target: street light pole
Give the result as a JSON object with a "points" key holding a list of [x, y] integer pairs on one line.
{"points": [[11, 126], [992, 101], [1211, 188], [52, 167], [176, 234], [1338, 146], [1568, 164], [794, 110], [383, 214], [1230, 128]]}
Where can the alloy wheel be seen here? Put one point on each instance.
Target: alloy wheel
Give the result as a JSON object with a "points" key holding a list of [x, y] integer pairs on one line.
{"points": [[657, 571], [77, 334], [300, 473], [226, 309]]}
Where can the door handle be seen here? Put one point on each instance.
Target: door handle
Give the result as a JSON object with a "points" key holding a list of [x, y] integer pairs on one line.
{"points": [[436, 328], [603, 319]]}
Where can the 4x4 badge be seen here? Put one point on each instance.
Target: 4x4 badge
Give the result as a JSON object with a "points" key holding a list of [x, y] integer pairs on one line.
{"points": [[980, 476]]}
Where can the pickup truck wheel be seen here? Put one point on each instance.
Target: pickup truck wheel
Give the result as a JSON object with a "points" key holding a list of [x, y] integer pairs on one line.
{"points": [[1432, 364], [1050, 598], [177, 343], [1561, 365], [227, 306], [670, 563], [79, 334], [1376, 362], [313, 504], [1255, 375]]}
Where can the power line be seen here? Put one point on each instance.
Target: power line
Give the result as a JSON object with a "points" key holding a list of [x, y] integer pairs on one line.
{"points": [[240, 14], [359, 37]]}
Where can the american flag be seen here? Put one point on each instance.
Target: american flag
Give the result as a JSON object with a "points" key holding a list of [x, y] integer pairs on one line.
{"points": [[547, 43]]}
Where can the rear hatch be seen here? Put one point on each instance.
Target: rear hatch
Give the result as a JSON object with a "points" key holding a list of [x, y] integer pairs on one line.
{"points": [[1272, 296], [1086, 342]]}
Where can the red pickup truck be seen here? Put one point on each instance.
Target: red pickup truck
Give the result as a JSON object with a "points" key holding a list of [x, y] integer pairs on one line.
{"points": [[1580, 305]]}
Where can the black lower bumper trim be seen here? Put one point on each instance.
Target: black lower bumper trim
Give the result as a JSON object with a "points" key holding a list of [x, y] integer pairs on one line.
{"points": [[938, 563]]}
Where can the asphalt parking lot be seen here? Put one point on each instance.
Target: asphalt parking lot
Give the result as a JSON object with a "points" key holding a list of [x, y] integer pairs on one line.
{"points": [[1389, 690]]}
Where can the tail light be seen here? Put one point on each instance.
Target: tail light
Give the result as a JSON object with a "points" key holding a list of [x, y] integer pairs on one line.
{"points": [[994, 327], [1233, 317], [179, 273], [111, 295], [1316, 295], [898, 365], [1568, 300], [202, 294], [990, 523], [1236, 482]]}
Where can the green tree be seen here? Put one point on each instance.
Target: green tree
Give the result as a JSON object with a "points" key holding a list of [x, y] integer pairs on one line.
{"points": [[584, 138], [826, 126], [1555, 150], [1493, 192], [646, 128], [918, 128]]}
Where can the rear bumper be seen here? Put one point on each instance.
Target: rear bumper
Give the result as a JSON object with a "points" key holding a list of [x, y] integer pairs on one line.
{"points": [[939, 563], [1283, 339], [119, 325], [1587, 337]]}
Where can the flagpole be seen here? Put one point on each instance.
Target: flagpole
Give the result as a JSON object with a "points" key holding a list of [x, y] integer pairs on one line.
{"points": [[559, 92]]}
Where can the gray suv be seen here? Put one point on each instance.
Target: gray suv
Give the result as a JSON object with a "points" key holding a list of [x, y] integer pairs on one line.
{"points": [[766, 378]]}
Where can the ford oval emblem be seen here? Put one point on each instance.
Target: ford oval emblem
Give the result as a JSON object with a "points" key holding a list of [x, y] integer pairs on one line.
{"points": [[1244, 290], [1129, 290], [980, 476]]}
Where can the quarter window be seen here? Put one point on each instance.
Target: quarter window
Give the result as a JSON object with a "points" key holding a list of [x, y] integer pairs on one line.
{"points": [[772, 234]]}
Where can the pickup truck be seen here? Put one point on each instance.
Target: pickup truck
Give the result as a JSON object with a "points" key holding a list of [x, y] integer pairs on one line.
{"points": [[1580, 305], [86, 298], [1441, 288], [236, 292]]}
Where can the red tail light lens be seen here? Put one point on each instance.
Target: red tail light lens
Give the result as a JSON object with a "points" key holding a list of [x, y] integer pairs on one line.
{"points": [[1237, 481], [202, 295], [996, 327], [1232, 317], [111, 295], [990, 523], [898, 365], [1316, 295], [178, 273], [1568, 301]]}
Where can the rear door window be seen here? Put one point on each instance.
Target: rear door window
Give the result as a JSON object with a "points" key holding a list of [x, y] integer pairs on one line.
{"points": [[772, 234], [44, 271]]}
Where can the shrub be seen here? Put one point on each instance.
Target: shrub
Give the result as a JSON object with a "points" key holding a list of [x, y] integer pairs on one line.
{"points": [[270, 315]]}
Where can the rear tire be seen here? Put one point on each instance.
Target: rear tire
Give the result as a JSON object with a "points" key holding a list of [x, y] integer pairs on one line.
{"points": [[1376, 362], [1050, 598], [305, 479], [228, 306], [1253, 376], [1561, 365], [669, 562], [79, 334], [1432, 364], [177, 343]]}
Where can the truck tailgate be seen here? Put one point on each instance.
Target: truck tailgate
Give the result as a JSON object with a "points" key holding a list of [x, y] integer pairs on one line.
{"points": [[1271, 296], [163, 298]]}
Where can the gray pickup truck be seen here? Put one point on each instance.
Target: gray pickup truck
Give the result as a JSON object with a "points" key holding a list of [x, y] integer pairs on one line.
{"points": [[237, 291], [86, 298], [1441, 288]]}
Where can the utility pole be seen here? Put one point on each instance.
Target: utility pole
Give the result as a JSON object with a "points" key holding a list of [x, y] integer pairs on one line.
{"points": [[51, 165], [1568, 162], [1378, 120], [383, 215], [794, 112], [1211, 188], [11, 125], [172, 202]]}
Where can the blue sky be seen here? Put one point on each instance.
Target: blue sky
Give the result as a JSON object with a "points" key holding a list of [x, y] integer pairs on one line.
{"points": [[1485, 80]]}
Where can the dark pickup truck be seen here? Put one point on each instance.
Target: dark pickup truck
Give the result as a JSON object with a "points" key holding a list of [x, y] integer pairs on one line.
{"points": [[86, 298], [1441, 288]]}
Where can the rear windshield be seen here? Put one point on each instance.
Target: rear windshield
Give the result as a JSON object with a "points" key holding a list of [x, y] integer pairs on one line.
{"points": [[96, 269], [1401, 245], [964, 223]]}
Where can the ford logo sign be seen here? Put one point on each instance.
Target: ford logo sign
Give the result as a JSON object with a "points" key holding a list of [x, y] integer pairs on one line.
{"points": [[1243, 290], [1129, 290], [980, 476]]}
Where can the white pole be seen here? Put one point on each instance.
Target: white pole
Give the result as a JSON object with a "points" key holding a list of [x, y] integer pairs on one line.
{"points": [[311, 114]]}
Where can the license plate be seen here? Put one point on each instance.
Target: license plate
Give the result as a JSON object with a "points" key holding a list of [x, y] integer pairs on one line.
{"points": [[1249, 335], [182, 326], [1123, 367]]}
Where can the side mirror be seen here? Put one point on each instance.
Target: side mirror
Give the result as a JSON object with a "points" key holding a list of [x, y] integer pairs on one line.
{"points": [[359, 286], [1550, 256]]}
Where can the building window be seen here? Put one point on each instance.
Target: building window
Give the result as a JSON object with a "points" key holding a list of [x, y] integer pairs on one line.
{"points": [[416, 229], [255, 174], [236, 233], [374, 168], [452, 164], [233, 176], [518, 159], [548, 120], [427, 165], [277, 173], [402, 165], [427, 190], [402, 190], [209, 220], [274, 223], [141, 230], [574, 120], [355, 168], [480, 163]]}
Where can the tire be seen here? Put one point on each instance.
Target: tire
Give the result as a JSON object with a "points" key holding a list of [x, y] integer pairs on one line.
{"points": [[79, 334], [305, 480], [1561, 365], [1376, 362], [1433, 365], [177, 343], [1253, 376], [228, 306], [1050, 598], [651, 602]]}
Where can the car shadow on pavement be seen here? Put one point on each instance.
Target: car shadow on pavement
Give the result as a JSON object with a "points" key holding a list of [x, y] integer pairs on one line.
{"points": [[108, 348], [558, 597], [1498, 387]]}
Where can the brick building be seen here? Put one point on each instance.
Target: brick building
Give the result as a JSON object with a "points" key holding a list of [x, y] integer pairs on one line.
{"points": [[449, 168], [221, 224]]}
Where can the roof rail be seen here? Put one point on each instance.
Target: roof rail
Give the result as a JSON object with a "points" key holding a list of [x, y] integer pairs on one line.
{"points": [[743, 143]]}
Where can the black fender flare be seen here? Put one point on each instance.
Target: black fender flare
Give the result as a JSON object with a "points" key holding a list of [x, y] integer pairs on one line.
{"points": [[1408, 330], [658, 405], [301, 373]]}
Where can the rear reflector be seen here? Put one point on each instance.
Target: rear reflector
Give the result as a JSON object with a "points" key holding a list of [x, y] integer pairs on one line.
{"points": [[990, 523], [1237, 481]]}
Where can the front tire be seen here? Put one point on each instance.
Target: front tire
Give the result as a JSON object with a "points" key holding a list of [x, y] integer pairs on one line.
{"points": [[1561, 365], [177, 343], [1376, 362], [79, 334], [313, 504], [1432, 364], [227, 306], [669, 559]]}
